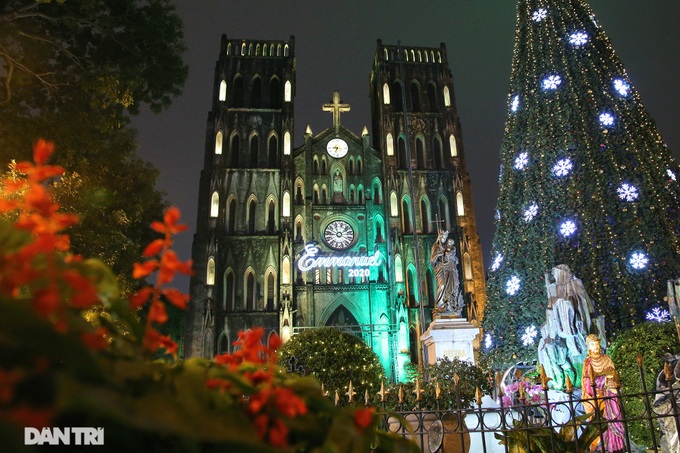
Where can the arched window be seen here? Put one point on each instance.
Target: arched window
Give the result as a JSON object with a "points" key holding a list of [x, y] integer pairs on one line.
{"points": [[287, 91], [238, 92], [389, 142], [252, 207], [386, 94], [234, 150], [360, 167], [411, 289], [377, 199], [432, 96], [453, 146], [324, 168], [214, 204], [398, 269], [396, 94], [315, 194], [425, 215], [351, 166], [430, 287], [415, 97], [298, 192], [218, 142], [403, 162], [243, 49], [299, 234], [273, 151], [324, 194], [286, 143], [360, 194], [274, 93], [444, 214], [229, 49], [420, 152], [351, 195], [315, 165], [271, 291], [257, 50], [394, 206], [249, 295], [460, 207], [286, 204], [467, 266], [254, 150], [271, 216], [285, 50], [223, 91], [229, 290], [210, 272], [379, 238], [447, 97], [438, 155], [231, 215], [285, 268], [256, 94], [406, 226]]}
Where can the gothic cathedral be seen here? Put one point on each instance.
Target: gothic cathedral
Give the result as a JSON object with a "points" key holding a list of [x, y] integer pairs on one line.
{"points": [[337, 231]]}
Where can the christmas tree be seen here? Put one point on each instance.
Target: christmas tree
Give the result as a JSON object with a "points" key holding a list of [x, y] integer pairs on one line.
{"points": [[585, 180]]}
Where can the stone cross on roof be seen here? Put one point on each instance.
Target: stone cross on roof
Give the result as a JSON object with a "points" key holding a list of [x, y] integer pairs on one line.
{"points": [[336, 107]]}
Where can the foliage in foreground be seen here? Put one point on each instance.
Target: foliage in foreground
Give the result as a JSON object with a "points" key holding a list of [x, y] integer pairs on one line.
{"points": [[335, 358], [651, 340], [63, 364]]}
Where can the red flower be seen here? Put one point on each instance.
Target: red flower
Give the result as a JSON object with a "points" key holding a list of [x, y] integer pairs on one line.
{"points": [[363, 418]]}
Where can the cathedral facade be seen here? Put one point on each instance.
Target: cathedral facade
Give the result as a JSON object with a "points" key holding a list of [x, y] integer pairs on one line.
{"points": [[336, 231]]}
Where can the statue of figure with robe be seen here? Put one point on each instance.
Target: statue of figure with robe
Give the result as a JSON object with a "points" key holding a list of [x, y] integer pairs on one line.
{"points": [[449, 297]]}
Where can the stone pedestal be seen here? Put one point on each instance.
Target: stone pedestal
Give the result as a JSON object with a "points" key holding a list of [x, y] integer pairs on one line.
{"points": [[450, 337]]}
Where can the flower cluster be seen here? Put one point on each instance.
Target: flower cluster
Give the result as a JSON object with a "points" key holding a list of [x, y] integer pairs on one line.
{"points": [[166, 266], [266, 401], [532, 392]]}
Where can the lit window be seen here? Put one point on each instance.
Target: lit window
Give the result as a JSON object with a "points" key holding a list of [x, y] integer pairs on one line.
{"points": [[287, 91], [453, 146], [398, 269], [210, 272], [286, 143], [286, 271], [460, 207], [214, 204], [223, 91], [286, 204], [389, 141], [386, 94], [218, 142], [447, 97], [394, 205]]}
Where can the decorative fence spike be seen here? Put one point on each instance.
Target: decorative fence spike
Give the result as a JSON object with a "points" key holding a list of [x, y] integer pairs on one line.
{"points": [[569, 386], [437, 391], [383, 393], [350, 392], [401, 394], [418, 391], [367, 398], [337, 398], [478, 396]]}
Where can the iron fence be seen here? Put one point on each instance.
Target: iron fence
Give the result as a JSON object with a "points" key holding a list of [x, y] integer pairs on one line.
{"points": [[547, 421]]}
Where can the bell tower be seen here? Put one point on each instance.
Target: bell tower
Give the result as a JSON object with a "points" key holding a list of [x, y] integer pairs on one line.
{"points": [[243, 227], [418, 132]]}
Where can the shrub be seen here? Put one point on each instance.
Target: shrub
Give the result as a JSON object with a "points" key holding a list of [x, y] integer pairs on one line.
{"points": [[651, 340], [335, 358]]}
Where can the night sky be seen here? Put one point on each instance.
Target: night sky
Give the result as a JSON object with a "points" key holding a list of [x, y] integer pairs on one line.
{"points": [[334, 46]]}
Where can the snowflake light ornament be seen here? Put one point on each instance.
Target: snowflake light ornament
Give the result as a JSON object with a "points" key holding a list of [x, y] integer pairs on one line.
{"points": [[515, 103], [658, 314], [578, 38], [562, 167], [521, 161], [529, 335], [622, 87], [512, 285], [539, 15], [488, 341], [638, 260], [530, 212], [567, 228], [606, 119], [671, 174], [628, 192], [551, 82], [497, 260]]}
